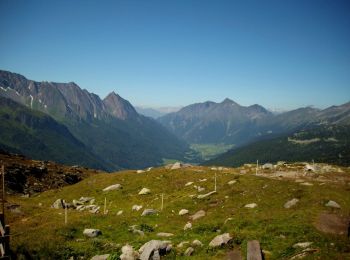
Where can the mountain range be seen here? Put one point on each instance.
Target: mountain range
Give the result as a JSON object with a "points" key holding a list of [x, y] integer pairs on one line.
{"points": [[110, 129]]}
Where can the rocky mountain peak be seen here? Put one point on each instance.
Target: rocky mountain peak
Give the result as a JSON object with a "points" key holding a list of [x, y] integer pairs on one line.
{"points": [[119, 107]]}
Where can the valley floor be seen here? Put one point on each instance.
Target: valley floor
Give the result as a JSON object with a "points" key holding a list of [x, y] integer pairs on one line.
{"points": [[39, 231]]}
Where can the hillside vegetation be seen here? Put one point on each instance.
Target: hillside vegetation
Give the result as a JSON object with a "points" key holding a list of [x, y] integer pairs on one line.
{"points": [[39, 231]]}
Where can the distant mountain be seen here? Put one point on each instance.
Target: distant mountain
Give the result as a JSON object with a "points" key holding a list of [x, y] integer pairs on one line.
{"points": [[150, 112], [210, 122], [110, 128], [35, 134], [322, 143]]}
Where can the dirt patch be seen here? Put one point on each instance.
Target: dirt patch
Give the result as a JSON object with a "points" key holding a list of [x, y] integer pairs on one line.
{"points": [[333, 224]]}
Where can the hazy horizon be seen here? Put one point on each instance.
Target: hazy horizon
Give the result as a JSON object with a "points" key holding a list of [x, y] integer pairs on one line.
{"points": [[281, 55]]}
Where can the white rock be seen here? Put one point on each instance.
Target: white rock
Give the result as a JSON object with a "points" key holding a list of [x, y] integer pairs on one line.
{"points": [[302, 244], [232, 182], [188, 226], [309, 168], [175, 166], [149, 168], [144, 191], [182, 244], [58, 204], [220, 240], [140, 171], [202, 196], [203, 180], [196, 242], [291, 203], [128, 253], [189, 251], [197, 215], [332, 204], [189, 183], [268, 166], [152, 246], [91, 232], [251, 205], [200, 189], [306, 184], [136, 207], [183, 212], [112, 187], [119, 212]]}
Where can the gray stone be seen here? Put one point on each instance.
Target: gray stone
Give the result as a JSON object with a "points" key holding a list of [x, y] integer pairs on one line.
{"points": [[268, 166], [302, 244], [332, 204], [136, 207], [188, 226], [197, 215], [251, 205], [164, 234], [151, 246], [183, 212], [58, 204], [189, 251], [291, 203], [148, 212], [112, 187], [220, 240], [196, 242], [100, 257], [202, 196], [91, 232], [232, 182]]}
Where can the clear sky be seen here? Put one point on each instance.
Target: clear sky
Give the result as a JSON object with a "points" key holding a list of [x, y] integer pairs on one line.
{"points": [[280, 54]]}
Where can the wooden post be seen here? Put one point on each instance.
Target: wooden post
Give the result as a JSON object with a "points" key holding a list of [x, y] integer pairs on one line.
{"points": [[257, 166], [162, 202], [104, 208], [66, 215], [215, 182]]}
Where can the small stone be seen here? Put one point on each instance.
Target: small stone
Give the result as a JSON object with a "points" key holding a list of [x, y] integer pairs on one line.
{"points": [[251, 205], [188, 226], [189, 183], [291, 203], [91, 232], [189, 251], [144, 191], [302, 244], [128, 253], [100, 257], [306, 184], [196, 242], [197, 215], [176, 165], [203, 180], [183, 212], [220, 240], [164, 234], [332, 204], [58, 204], [112, 187], [232, 182], [181, 245], [136, 207], [148, 212], [119, 212], [140, 171], [202, 196]]}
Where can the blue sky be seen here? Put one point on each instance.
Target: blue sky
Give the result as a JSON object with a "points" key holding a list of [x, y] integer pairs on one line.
{"points": [[280, 54]]}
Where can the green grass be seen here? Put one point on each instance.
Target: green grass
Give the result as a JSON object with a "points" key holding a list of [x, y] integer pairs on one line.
{"points": [[209, 151], [40, 231]]}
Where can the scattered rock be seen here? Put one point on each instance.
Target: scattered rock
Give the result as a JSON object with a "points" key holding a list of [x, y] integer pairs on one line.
{"points": [[306, 184], [112, 187], [136, 207], [140, 171], [232, 182], [119, 212], [203, 180], [188, 226], [86, 199], [267, 166], [197, 215], [91, 232], [200, 189], [332, 204], [148, 212], [144, 191], [202, 196], [134, 230], [181, 245], [164, 234], [333, 224], [58, 204], [128, 253], [189, 251], [228, 219], [175, 166], [251, 205], [309, 168], [291, 203], [183, 212], [302, 244], [220, 240], [189, 183], [100, 257], [196, 242], [154, 247]]}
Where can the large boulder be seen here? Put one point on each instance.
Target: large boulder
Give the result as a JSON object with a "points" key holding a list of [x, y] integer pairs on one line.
{"points": [[91, 232], [112, 187], [220, 240], [154, 247]]}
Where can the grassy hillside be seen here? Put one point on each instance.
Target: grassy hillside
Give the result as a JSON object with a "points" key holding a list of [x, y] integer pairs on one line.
{"points": [[39, 231], [329, 144]]}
